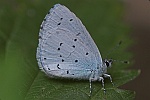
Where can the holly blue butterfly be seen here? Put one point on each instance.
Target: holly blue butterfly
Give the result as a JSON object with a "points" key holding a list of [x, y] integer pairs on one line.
{"points": [[66, 49]]}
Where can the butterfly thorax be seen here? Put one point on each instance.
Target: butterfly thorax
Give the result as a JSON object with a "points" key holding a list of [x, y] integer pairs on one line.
{"points": [[101, 70]]}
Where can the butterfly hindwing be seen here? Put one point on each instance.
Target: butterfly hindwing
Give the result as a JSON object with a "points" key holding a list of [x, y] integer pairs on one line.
{"points": [[60, 52]]}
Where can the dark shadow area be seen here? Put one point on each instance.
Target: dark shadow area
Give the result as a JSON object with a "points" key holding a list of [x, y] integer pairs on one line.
{"points": [[138, 17]]}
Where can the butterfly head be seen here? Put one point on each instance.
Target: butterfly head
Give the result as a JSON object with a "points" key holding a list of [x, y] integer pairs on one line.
{"points": [[108, 62]]}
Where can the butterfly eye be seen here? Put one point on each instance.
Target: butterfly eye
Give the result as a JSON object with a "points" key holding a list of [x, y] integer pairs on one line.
{"points": [[107, 63]]}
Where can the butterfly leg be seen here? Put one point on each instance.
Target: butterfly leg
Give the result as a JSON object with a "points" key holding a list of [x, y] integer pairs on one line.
{"points": [[92, 78], [102, 80], [108, 76]]}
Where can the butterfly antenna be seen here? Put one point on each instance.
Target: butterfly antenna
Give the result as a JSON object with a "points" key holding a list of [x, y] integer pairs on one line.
{"points": [[125, 62], [113, 49]]}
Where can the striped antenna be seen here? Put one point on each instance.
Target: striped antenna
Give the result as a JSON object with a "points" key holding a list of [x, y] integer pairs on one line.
{"points": [[113, 49]]}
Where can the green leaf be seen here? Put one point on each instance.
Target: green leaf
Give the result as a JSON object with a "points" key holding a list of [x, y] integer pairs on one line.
{"points": [[55, 89], [20, 77], [115, 94]]}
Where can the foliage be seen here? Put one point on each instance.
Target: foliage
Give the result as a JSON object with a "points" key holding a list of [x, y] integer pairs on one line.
{"points": [[20, 77]]}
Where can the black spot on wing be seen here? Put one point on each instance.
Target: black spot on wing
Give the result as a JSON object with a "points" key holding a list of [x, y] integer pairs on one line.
{"points": [[87, 53], [78, 34], [58, 24], [41, 27], [71, 19], [58, 49], [75, 39], [60, 44], [73, 46], [40, 37], [44, 19], [61, 18], [76, 60], [58, 66]]}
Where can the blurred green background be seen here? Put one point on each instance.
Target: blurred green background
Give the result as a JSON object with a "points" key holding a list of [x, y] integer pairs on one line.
{"points": [[137, 15], [19, 26]]}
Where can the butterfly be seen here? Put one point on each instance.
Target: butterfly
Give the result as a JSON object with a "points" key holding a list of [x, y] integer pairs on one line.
{"points": [[66, 49]]}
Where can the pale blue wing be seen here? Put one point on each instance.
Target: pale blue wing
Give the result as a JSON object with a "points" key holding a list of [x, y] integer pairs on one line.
{"points": [[65, 47], [60, 16]]}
